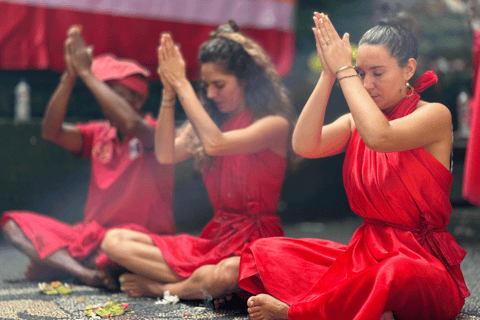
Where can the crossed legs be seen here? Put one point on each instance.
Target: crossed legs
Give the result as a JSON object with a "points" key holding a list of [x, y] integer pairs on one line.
{"points": [[151, 275], [58, 263]]}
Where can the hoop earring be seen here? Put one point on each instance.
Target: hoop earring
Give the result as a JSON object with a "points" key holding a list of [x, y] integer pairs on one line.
{"points": [[411, 89]]}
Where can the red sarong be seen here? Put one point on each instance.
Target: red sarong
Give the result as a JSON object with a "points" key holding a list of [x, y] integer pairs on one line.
{"points": [[402, 259]]}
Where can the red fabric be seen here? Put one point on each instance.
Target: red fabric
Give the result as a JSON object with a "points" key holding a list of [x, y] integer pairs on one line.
{"points": [[471, 173], [396, 261], [127, 187], [109, 68], [32, 38], [244, 191]]}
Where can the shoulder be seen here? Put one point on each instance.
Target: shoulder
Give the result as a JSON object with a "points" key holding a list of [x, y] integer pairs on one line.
{"points": [[435, 111]]}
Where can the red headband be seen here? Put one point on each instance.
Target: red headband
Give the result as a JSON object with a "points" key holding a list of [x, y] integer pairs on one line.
{"points": [[123, 71]]}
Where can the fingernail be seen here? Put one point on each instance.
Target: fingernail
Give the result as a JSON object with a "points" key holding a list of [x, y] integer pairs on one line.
{"points": [[121, 279], [122, 288]]}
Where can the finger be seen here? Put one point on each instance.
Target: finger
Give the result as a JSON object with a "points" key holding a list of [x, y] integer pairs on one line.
{"points": [[322, 34], [76, 28], [323, 31], [68, 46], [332, 33], [169, 49], [346, 39]]}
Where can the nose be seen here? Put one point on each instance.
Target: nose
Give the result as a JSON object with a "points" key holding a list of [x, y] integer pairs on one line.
{"points": [[368, 82], [211, 92]]}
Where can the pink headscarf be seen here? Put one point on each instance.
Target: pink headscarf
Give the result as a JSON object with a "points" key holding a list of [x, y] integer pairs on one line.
{"points": [[123, 71]]}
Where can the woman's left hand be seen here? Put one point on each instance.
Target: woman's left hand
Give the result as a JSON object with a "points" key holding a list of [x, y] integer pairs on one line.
{"points": [[171, 63], [336, 51]]}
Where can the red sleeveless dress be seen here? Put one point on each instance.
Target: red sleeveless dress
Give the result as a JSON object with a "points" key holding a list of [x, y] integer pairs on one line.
{"points": [[402, 259], [244, 191]]}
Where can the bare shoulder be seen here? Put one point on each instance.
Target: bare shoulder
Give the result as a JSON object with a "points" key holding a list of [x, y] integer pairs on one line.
{"points": [[435, 111], [433, 107]]}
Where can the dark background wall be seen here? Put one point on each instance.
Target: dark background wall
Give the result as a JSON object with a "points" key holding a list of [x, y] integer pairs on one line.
{"points": [[39, 176]]}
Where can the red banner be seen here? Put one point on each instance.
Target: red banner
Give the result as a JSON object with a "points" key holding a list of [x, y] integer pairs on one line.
{"points": [[32, 32]]}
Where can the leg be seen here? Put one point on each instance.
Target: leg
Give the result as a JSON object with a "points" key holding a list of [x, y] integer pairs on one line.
{"points": [[266, 307], [59, 259], [207, 282], [136, 252]]}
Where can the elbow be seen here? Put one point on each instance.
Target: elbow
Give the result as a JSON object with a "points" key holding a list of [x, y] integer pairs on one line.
{"points": [[377, 144], [211, 150], [48, 134], [131, 127]]}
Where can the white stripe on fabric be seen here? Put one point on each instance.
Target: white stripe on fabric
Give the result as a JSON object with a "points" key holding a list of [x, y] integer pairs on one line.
{"points": [[259, 14]]}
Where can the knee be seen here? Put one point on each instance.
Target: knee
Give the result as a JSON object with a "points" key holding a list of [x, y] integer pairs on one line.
{"points": [[226, 273], [11, 231], [112, 242]]}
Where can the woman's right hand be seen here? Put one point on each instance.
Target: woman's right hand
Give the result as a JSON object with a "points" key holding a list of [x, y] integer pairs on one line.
{"points": [[316, 31]]}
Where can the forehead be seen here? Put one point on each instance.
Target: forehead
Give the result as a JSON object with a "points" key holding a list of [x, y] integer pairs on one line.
{"points": [[369, 56], [213, 71]]}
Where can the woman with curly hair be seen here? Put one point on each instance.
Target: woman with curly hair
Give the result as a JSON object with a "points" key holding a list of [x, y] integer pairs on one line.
{"points": [[243, 155]]}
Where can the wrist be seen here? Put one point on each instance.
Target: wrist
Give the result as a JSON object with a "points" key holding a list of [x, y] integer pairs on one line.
{"points": [[68, 77], [168, 94], [180, 85]]}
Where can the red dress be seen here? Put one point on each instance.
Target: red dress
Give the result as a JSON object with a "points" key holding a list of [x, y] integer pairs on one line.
{"points": [[128, 189], [402, 259], [244, 191]]}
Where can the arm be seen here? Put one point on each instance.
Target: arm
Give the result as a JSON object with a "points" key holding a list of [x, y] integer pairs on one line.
{"points": [[267, 133], [311, 139], [117, 110], [425, 126], [53, 129]]}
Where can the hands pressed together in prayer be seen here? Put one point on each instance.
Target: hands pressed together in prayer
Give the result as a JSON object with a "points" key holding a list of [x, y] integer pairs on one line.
{"points": [[334, 52], [78, 57], [171, 64]]}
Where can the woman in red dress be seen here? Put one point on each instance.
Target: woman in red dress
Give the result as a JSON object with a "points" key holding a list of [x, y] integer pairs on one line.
{"points": [[243, 162], [401, 263]]}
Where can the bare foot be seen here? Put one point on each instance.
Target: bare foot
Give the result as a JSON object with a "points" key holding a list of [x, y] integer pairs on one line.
{"points": [[99, 279], [266, 307], [138, 286], [387, 316], [37, 271]]}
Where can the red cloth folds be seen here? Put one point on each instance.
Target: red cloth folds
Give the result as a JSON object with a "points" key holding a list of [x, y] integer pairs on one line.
{"points": [[244, 191], [395, 261]]}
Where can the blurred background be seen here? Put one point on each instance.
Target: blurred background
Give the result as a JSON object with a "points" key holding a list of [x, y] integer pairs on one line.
{"points": [[39, 176]]}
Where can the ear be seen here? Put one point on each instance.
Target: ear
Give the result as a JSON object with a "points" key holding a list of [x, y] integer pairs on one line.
{"points": [[409, 69]]}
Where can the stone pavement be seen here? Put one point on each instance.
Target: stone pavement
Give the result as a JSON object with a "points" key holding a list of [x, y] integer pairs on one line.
{"points": [[465, 226]]}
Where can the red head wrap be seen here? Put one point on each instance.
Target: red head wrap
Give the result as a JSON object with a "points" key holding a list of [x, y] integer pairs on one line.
{"points": [[126, 72]]}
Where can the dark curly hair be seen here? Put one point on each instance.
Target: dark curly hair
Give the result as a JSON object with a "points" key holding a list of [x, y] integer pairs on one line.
{"points": [[241, 56]]}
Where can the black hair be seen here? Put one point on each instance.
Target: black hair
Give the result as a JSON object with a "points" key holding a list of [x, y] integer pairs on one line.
{"points": [[397, 34]]}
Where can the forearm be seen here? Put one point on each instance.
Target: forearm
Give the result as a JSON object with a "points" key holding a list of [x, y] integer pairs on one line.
{"points": [[116, 109], [57, 108], [209, 133], [307, 132], [165, 129], [370, 122]]}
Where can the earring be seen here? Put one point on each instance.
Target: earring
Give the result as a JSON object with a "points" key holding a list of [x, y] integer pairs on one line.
{"points": [[410, 89]]}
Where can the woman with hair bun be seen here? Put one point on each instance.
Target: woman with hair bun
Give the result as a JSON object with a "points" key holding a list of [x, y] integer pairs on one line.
{"points": [[239, 130], [401, 263]]}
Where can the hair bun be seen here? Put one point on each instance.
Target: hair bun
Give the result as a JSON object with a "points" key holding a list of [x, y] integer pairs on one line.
{"points": [[233, 25], [401, 20]]}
